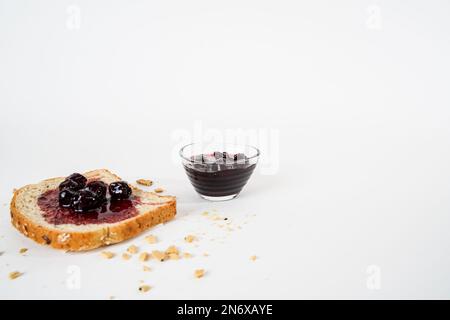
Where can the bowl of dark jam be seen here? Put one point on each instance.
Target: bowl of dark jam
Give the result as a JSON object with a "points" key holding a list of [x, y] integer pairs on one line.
{"points": [[219, 173]]}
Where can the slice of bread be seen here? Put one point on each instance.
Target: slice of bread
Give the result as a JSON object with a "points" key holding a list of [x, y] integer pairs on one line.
{"points": [[27, 217]]}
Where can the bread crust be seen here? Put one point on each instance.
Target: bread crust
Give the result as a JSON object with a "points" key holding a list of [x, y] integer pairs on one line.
{"points": [[88, 240]]}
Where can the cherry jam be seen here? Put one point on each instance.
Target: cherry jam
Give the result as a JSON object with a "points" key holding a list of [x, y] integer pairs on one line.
{"points": [[219, 174]]}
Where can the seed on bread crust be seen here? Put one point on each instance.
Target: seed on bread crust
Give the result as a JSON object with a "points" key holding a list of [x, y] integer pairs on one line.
{"points": [[63, 237], [144, 182], [189, 238], [144, 288], [159, 190], [199, 273], [15, 274], [151, 239], [47, 240], [133, 249], [108, 254]]}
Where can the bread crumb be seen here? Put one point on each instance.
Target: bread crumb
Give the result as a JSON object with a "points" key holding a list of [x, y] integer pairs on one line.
{"points": [[206, 254], [172, 249], [187, 255], [144, 256], [15, 275], [146, 268], [199, 273], [151, 239], [159, 190], [23, 250], [189, 238], [253, 258], [205, 213], [159, 255], [133, 249], [126, 256], [174, 256], [107, 254], [144, 288], [144, 182]]}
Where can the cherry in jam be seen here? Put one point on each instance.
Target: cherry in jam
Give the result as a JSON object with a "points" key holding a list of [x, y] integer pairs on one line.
{"points": [[67, 197], [119, 190], [109, 212], [99, 188]]}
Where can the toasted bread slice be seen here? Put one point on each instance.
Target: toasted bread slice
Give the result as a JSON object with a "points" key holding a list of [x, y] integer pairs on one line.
{"points": [[28, 218]]}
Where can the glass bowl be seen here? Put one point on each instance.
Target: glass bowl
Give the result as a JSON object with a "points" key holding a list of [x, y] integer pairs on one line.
{"points": [[216, 172]]}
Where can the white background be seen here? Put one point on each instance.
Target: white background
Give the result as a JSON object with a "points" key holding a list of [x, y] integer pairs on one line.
{"points": [[358, 92]]}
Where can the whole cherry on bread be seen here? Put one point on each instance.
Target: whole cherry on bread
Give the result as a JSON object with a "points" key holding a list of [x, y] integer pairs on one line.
{"points": [[119, 190], [76, 193]]}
